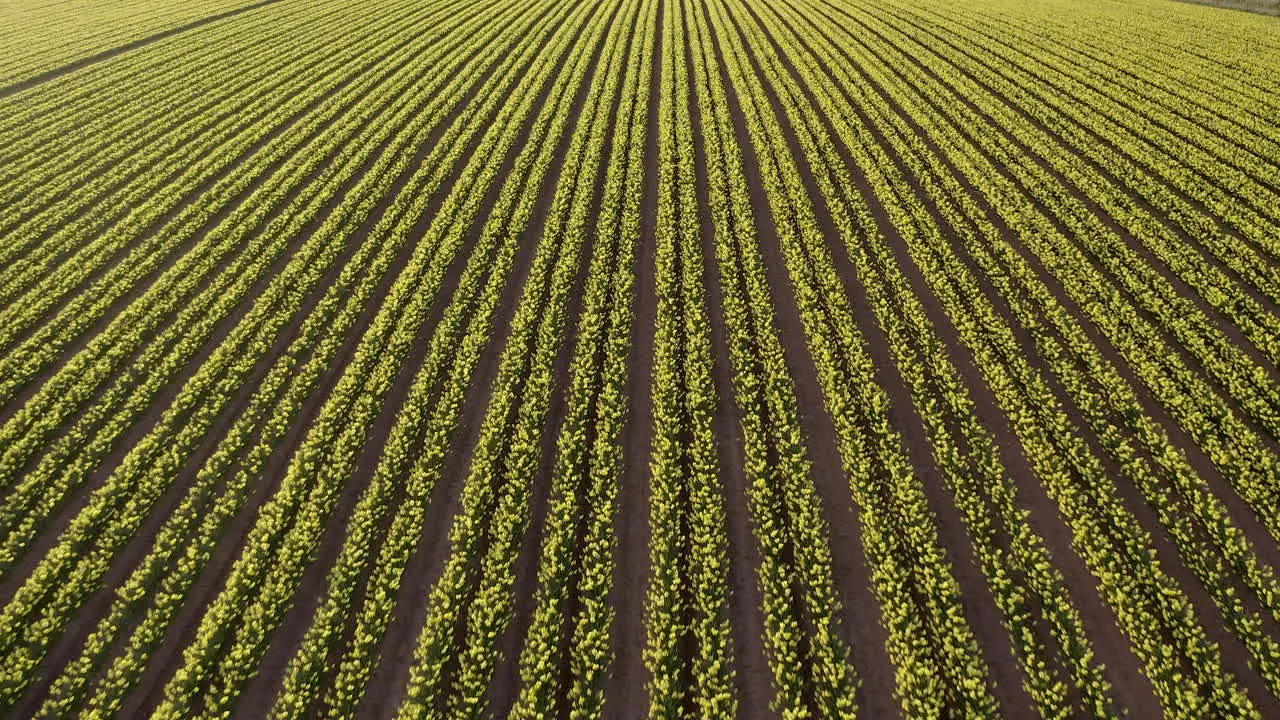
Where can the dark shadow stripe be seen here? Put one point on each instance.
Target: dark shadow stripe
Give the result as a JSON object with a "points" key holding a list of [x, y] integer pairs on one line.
{"points": [[1261, 7], [120, 50]]}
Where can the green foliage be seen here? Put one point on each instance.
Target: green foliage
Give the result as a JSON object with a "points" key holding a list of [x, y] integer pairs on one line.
{"points": [[273, 285]]}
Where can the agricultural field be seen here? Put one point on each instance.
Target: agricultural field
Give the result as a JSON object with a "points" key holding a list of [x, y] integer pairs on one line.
{"points": [[639, 358]]}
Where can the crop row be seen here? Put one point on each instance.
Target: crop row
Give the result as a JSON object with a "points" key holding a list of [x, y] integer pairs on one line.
{"points": [[59, 308], [471, 604], [1239, 451], [77, 152], [1133, 466], [686, 605], [1143, 112], [572, 619], [933, 648], [1013, 558], [69, 460], [316, 347], [802, 630], [1117, 264], [1079, 132], [67, 237], [46, 37], [264, 580], [324, 335], [145, 472], [1220, 79], [88, 128]]}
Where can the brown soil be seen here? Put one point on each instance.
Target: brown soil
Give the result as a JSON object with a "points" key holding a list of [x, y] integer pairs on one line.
{"points": [[751, 667], [386, 686], [1233, 654], [144, 424], [214, 220], [626, 687], [862, 630]]}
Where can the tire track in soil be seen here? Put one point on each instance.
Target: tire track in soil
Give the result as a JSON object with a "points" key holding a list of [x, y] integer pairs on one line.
{"points": [[96, 58], [861, 629]]}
